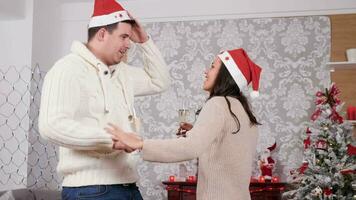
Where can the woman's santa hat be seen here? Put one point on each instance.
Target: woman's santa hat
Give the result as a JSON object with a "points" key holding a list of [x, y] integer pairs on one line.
{"points": [[242, 69], [107, 12]]}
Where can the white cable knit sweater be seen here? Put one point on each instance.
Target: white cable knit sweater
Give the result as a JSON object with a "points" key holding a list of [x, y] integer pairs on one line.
{"points": [[80, 97]]}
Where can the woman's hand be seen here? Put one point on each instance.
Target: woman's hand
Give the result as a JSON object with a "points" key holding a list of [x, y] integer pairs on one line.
{"points": [[132, 141], [184, 127], [117, 145]]}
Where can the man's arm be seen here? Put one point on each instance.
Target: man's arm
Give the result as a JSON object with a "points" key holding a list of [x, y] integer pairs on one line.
{"points": [[154, 77], [60, 101]]}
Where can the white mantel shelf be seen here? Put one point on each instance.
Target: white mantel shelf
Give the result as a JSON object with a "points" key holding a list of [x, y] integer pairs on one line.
{"points": [[341, 65]]}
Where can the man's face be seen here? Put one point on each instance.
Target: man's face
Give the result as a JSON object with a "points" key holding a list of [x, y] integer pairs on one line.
{"points": [[117, 43]]}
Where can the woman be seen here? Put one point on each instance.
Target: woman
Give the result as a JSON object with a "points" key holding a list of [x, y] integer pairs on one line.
{"points": [[224, 137]]}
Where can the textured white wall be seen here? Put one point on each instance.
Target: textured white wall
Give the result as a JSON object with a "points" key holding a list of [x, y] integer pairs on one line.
{"points": [[75, 14], [15, 58], [16, 34], [46, 32]]}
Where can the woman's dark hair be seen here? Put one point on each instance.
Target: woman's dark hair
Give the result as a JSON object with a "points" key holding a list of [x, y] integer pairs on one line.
{"points": [[110, 28], [226, 86]]}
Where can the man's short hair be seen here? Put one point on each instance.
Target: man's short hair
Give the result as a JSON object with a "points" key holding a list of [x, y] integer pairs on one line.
{"points": [[110, 28]]}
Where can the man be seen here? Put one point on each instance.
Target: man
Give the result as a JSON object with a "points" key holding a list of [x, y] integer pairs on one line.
{"points": [[91, 87]]}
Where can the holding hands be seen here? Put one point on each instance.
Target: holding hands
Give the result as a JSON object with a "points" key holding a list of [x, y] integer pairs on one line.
{"points": [[184, 127], [124, 141], [130, 142]]}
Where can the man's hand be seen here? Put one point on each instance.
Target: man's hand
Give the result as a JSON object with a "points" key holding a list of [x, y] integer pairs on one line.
{"points": [[139, 35]]}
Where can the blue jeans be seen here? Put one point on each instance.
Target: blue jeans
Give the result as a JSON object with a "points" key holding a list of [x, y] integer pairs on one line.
{"points": [[102, 192]]}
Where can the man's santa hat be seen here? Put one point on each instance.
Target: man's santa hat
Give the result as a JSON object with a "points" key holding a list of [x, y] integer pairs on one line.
{"points": [[107, 12], [242, 69]]}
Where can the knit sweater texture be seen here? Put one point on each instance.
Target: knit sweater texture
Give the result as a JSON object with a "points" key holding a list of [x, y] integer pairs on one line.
{"points": [[225, 159], [80, 96]]}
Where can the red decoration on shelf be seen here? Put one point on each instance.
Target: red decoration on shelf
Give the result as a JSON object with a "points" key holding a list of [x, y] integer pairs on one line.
{"points": [[266, 163], [191, 179], [172, 178], [275, 179], [261, 179], [253, 180]]}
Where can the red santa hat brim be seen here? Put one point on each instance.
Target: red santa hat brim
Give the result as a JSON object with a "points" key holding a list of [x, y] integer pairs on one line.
{"points": [[112, 18], [232, 67]]}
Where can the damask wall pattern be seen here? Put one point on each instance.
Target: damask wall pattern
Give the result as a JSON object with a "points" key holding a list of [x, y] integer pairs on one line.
{"points": [[292, 52]]}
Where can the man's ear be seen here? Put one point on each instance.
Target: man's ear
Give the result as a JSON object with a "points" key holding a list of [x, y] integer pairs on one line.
{"points": [[100, 35]]}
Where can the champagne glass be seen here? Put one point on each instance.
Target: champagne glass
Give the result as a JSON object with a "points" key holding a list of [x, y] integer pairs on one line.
{"points": [[183, 117]]}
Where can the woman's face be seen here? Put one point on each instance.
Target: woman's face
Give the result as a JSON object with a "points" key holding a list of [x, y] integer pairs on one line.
{"points": [[211, 73]]}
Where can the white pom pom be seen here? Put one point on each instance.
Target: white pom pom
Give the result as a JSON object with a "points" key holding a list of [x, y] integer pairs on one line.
{"points": [[254, 94]]}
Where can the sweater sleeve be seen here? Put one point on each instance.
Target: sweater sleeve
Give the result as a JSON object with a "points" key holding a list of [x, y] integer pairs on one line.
{"points": [[209, 126], [60, 100], [154, 77]]}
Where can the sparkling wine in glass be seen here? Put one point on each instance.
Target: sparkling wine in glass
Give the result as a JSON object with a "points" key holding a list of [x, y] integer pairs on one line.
{"points": [[183, 116]]}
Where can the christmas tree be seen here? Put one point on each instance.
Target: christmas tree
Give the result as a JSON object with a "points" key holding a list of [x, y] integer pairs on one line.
{"points": [[329, 164]]}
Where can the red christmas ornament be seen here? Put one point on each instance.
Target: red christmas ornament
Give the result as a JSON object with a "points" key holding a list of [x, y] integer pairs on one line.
{"points": [[319, 94], [307, 141], [351, 150], [316, 114], [321, 144], [348, 171], [327, 191], [303, 167], [336, 117]]}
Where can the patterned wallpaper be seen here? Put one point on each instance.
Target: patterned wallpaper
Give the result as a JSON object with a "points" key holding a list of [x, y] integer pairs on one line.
{"points": [[291, 51]]}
